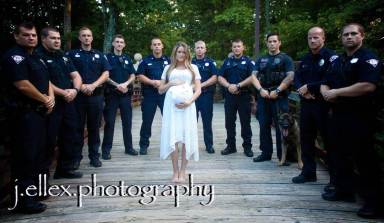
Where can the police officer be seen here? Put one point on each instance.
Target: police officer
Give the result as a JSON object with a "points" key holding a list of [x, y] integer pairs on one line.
{"points": [[273, 75], [94, 69], [118, 95], [204, 103], [30, 99], [313, 108], [149, 74], [64, 121], [237, 99], [349, 86]]}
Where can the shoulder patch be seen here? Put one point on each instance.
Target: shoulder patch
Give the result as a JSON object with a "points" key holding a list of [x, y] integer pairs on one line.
{"points": [[373, 62], [214, 63], [17, 58], [334, 57], [253, 62]]}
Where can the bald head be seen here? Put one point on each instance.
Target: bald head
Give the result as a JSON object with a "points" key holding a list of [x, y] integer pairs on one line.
{"points": [[316, 39], [200, 49]]}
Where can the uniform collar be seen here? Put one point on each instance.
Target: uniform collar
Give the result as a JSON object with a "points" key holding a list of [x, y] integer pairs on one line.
{"points": [[241, 58], [49, 53], [91, 50], [23, 49], [160, 58], [355, 54], [203, 59]]}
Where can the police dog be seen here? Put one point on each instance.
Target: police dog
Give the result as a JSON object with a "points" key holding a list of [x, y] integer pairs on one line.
{"points": [[290, 134]]}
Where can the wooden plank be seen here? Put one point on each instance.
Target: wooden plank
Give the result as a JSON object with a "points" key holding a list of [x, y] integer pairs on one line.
{"points": [[244, 191]]}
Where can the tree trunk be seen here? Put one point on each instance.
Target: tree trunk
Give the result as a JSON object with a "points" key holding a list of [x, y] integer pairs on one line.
{"points": [[67, 24], [257, 28], [109, 26]]}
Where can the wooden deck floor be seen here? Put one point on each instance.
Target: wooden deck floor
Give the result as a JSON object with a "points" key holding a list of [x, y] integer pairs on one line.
{"points": [[243, 191]]}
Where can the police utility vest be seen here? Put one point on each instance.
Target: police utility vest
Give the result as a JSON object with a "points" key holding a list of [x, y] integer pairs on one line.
{"points": [[272, 69]]}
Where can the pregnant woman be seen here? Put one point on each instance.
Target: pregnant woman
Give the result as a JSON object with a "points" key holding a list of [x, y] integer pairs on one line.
{"points": [[181, 82]]}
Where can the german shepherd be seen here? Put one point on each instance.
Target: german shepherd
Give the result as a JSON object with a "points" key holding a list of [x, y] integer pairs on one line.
{"points": [[290, 134]]}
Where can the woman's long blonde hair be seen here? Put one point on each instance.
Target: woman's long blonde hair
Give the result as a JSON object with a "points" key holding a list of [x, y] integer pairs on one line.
{"points": [[187, 62]]}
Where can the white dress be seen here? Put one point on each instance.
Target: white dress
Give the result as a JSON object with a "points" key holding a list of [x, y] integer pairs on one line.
{"points": [[179, 125]]}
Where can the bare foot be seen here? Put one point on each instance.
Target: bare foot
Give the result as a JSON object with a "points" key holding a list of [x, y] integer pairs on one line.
{"points": [[175, 178], [182, 177]]}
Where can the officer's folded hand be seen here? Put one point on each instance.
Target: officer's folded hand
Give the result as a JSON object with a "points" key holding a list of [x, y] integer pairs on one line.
{"points": [[122, 88], [70, 95], [273, 95], [156, 83], [308, 96], [232, 88], [264, 93], [330, 95], [303, 90], [49, 102], [86, 89]]}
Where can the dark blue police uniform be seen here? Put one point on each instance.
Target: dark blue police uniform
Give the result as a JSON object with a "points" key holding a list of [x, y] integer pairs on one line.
{"points": [[27, 118], [351, 126], [63, 121], [204, 103], [313, 112], [272, 69], [235, 70], [152, 68], [90, 64], [122, 68]]}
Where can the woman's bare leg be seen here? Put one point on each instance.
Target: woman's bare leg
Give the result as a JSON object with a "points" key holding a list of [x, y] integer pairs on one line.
{"points": [[184, 162], [175, 164]]}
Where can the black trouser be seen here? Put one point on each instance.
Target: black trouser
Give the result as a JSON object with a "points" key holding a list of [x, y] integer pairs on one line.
{"points": [[148, 108], [240, 103], [90, 110], [204, 104], [313, 119], [112, 103], [28, 149], [63, 131], [350, 135]]}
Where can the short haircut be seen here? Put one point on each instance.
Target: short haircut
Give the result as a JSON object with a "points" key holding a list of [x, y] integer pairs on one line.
{"points": [[26, 25], [273, 34], [359, 27], [156, 37], [118, 36], [200, 42], [84, 28], [237, 40], [45, 31]]}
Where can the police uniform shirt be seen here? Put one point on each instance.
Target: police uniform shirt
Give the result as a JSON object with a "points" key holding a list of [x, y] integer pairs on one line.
{"points": [[312, 69], [19, 65], [152, 68], [235, 70], [272, 69], [122, 67], [60, 67], [344, 71], [90, 64], [207, 68]]}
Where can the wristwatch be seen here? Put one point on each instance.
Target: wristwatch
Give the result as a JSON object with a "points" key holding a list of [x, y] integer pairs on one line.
{"points": [[278, 91], [259, 89], [238, 86], [77, 90]]}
